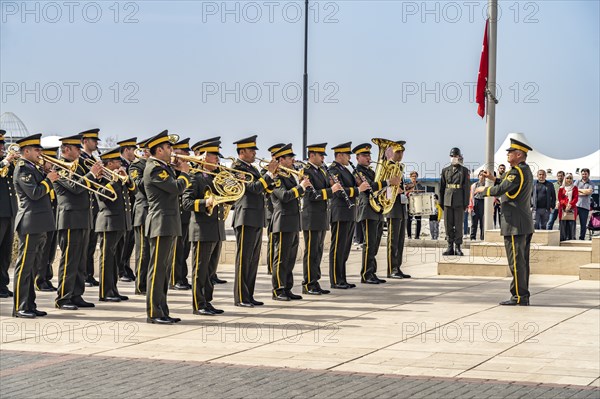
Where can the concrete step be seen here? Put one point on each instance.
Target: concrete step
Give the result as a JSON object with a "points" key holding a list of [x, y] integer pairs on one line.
{"points": [[596, 249], [541, 237], [591, 271], [576, 243], [473, 266]]}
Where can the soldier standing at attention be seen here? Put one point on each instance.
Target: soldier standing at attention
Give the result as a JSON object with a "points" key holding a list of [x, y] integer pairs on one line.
{"points": [[89, 141], [207, 230], [163, 224], [125, 246], [517, 225], [33, 221], [342, 216], [455, 191], [113, 221], [74, 224], [140, 212], [397, 219], [286, 225], [248, 222], [8, 210], [315, 218]]}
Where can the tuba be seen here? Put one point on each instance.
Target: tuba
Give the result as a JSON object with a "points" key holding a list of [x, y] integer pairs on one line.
{"points": [[385, 169]]}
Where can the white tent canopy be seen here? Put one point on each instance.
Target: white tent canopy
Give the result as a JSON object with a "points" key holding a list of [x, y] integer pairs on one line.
{"points": [[537, 160]]}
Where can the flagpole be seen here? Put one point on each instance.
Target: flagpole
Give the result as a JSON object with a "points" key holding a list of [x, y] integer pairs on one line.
{"points": [[491, 108], [305, 86]]}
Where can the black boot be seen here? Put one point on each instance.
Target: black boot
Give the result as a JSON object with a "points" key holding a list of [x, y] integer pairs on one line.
{"points": [[449, 250], [457, 250]]}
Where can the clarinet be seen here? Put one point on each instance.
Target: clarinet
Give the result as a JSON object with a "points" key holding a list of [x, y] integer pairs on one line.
{"points": [[362, 178], [344, 193]]}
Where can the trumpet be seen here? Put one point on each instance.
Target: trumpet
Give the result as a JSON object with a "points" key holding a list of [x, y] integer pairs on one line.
{"points": [[12, 149], [200, 161], [68, 170], [108, 174]]}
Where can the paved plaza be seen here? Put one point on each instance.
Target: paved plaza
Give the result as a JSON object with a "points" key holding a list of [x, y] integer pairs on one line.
{"points": [[426, 336]]}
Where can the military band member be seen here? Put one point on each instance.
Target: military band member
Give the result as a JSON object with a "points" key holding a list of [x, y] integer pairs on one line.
{"points": [[396, 220], [214, 278], [8, 211], [74, 224], [315, 218], [125, 246], [140, 212], [113, 220], [207, 230], [34, 219], [269, 213], [89, 142], [342, 216], [286, 197], [455, 190], [371, 221], [517, 224], [248, 222], [43, 272], [163, 224], [179, 271]]}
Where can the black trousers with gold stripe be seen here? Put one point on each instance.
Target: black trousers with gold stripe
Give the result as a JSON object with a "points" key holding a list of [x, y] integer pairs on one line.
{"points": [[313, 254], [30, 254], [372, 230], [125, 249], [91, 248], [517, 253], [7, 234], [248, 241], [72, 267], [395, 244], [284, 258], [341, 242], [142, 257], [205, 261], [182, 252], [44, 273], [109, 256], [270, 248], [161, 259]]}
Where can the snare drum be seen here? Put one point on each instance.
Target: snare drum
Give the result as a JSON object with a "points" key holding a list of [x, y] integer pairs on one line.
{"points": [[421, 204]]}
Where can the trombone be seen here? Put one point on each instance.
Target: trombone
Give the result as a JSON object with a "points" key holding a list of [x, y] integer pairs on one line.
{"points": [[108, 174], [200, 161], [12, 149], [282, 170], [68, 170]]}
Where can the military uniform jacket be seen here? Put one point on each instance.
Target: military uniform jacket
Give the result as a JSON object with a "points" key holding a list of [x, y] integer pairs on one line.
{"points": [[268, 202], [203, 228], [399, 210], [184, 214], [364, 208], [114, 215], [140, 205], [8, 198], [315, 214], [126, 164], [73, 202], [339, 211], [35, 214], [93, 202], [286, 205], [250, 209], [515, 191], [455, 187], [163, 189]]}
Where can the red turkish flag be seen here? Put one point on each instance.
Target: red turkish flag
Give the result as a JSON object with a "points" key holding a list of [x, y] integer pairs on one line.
{"points": [[483, 74]]}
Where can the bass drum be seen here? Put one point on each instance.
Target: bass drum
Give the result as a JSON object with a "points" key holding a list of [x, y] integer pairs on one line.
{"points": [[421, 204]]}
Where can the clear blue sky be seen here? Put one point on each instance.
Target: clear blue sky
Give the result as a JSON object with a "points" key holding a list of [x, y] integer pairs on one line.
{"points": [[372, 58]]}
